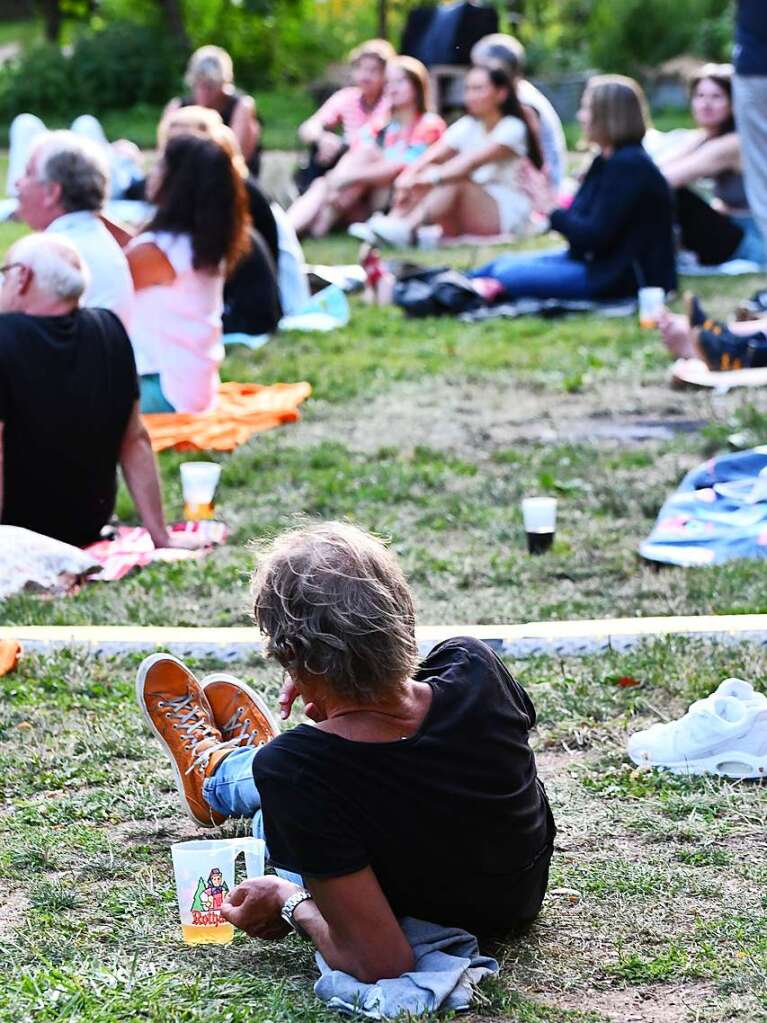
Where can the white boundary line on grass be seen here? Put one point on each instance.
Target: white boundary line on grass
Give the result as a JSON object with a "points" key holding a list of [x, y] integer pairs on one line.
{"points": [[568, 638]]}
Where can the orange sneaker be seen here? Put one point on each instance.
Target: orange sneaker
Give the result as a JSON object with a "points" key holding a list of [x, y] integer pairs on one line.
{"points": [[239, 713], [177, 711]]}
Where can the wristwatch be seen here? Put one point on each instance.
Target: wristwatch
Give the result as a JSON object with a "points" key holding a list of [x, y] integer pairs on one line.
{"points": [[290, 907]]}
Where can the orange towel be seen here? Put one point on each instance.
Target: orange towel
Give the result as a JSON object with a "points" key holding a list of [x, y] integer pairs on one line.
{"points": [[242, 410], [10, 652]]}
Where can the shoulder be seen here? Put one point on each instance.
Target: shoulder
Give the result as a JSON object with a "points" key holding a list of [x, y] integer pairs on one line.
{"points": [[244, 104], [431, 122], [458, 651], [283, 760], [108, 323], [12, 327], [149, 262], [461, 129], [344, 97], [509, 129]]}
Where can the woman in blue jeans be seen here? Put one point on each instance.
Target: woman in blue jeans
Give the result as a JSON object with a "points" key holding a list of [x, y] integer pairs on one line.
{"points": [[619, 226], [414, 793]]}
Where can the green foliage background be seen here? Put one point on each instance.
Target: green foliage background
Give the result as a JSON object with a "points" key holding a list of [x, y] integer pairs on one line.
{"points": [[120, 53]]}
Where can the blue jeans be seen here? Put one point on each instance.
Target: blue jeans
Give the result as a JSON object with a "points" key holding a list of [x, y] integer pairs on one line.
{"points": [[152, 397], [231, 791], [752, 244], [539, 275]]}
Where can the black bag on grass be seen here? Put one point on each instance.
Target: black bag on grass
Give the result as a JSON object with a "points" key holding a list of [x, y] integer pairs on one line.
{"points": [[435, 292]]}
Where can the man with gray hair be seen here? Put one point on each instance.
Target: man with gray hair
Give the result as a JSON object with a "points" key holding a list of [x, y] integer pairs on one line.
{"points": [[68, 402], [63, 189]]}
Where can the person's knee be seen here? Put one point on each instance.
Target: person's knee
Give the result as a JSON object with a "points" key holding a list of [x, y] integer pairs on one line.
{"points": [[26, 124]]}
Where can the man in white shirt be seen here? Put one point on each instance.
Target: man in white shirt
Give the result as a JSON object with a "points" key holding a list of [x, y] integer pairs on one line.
{"points": [[62, 190]]}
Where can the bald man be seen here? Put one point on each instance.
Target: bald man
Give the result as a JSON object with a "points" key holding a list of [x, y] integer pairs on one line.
{"points": [[68, 402]]}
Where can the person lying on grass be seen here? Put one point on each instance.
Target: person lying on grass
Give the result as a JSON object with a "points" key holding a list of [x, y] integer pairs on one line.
{"points": [[413, 793]]}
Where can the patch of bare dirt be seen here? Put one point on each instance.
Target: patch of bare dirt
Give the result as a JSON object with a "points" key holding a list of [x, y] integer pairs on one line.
{"points": [[169, 829], [649, 1003], [466, 417], [15, 906]]}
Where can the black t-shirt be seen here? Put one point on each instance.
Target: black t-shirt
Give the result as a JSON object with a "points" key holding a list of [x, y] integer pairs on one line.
{"points": [[449, 818], [67, 388]]}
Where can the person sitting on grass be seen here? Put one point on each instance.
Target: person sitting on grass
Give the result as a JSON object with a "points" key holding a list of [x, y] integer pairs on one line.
{"points": [[714, 232], [413, 793], [351, 109], [197, 235], [509, 53], [362, 177], [469, 181], [619, 225], [210, 78], [68, 403], [741, 344], [63, 189]]}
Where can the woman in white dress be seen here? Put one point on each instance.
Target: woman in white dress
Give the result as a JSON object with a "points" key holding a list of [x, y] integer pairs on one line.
{"points": [[472, 180]]}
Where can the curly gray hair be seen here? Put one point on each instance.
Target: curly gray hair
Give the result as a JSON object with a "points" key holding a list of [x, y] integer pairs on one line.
{"points": [[334, 603], [76, 164]]}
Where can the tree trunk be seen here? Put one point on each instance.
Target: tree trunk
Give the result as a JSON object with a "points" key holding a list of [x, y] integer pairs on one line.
{"points": [[382, 19], [51, 11], [174, 18]]}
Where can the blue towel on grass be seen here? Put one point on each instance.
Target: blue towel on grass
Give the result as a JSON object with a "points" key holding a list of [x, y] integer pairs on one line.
{"points": [[718, 513], [447, 968]]}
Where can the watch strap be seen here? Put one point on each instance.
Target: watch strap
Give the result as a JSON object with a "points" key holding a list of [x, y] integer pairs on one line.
{"points": [[289, 907]]}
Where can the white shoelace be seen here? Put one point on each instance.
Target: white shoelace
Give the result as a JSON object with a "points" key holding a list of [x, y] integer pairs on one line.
{"points": [[194, 728], [243, 733]]}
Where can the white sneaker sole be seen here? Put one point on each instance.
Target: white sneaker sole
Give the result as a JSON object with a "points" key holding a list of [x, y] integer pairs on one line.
{"points": [[222, 676], [361, 232], [141, 675], [732, 764]]}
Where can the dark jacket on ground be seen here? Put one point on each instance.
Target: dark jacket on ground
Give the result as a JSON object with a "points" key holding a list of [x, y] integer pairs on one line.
{"points": [[621, 224]]}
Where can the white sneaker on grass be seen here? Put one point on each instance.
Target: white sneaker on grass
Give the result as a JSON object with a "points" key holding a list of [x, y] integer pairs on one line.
{"points": [[362, 230], [391, 230], [724, 734]]}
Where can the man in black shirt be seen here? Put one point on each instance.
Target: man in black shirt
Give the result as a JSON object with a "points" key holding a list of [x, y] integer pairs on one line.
{"points": [[68, 402], [414, 794]]}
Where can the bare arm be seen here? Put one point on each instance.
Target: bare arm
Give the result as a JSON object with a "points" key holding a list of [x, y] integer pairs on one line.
{"points": [[438, 152], [149, 266], [313, 128], [122, 235], [245, 126], [349, 920], [461, 166], [139, 468], [363, 167], [705, 161]]}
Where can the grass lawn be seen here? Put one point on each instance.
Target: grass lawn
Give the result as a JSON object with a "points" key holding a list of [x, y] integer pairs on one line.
{"points": [[430, 432]]}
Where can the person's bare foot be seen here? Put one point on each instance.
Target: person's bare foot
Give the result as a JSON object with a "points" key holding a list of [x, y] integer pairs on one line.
{"points": [[678, 336]]}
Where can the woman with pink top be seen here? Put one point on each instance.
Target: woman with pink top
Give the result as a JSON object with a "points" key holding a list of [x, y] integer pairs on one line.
{"points": [[179, 264], [361, 180]]}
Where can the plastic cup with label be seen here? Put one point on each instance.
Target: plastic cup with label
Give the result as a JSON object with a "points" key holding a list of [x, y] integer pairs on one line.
{"points": [[204, 877], [652, 302], [198, 483], [540, 518]]}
